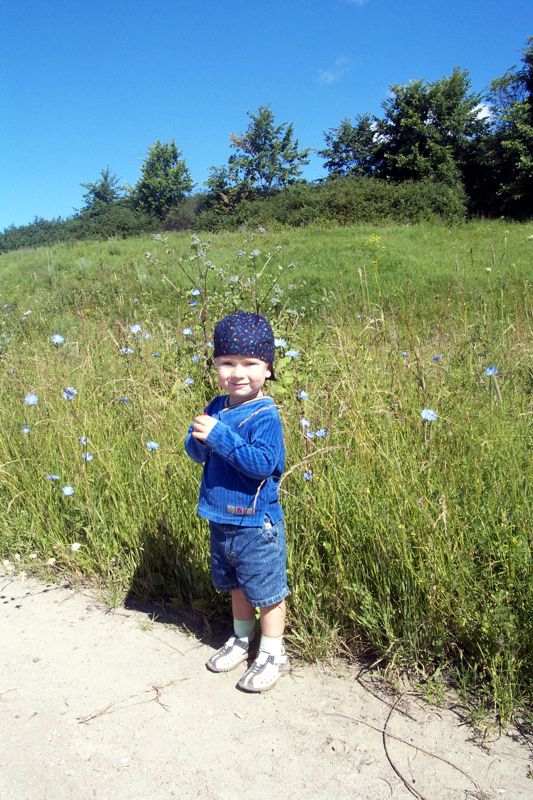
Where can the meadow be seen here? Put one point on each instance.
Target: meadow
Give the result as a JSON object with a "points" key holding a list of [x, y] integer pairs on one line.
{"points": [[404, 385]]}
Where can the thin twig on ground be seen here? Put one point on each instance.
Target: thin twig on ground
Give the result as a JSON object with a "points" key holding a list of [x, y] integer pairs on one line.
{"points": [[403, 741], [116, 706]]}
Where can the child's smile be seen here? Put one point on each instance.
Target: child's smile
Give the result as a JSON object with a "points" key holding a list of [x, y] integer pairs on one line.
{"points": [[242, 377]]}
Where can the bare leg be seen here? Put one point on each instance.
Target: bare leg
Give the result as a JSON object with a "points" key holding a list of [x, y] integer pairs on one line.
{"points": [[273, 620], [240, 607]]}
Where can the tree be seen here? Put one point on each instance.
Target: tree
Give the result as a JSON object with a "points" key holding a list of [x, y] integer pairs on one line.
{"points": [[104, 191], [267, 156], [164, 182], [511, 141], [352, 149], [427, 128]]}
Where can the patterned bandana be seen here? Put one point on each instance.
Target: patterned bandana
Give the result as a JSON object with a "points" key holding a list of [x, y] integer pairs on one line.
{"points": [[244, 334]]}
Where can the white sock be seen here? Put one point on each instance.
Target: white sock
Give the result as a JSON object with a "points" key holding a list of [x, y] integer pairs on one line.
{"points": [[273, 645], [244, 628]]}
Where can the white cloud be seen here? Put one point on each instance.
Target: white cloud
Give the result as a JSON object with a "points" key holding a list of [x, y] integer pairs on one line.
{"points": [[334, 73], [483, 111]]}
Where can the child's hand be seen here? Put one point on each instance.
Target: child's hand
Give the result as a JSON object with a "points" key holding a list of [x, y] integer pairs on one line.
{"points": [[202, 426]]}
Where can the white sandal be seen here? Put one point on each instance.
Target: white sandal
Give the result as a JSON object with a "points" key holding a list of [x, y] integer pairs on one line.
{"points": [[230, 655], [264, 672]]}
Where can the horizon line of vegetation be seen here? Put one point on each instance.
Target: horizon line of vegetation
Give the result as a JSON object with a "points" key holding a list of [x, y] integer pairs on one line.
{"points": [[471, 153]]}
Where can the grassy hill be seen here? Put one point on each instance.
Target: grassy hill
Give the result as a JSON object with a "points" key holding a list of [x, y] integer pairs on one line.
{"points": [[408, 538]]}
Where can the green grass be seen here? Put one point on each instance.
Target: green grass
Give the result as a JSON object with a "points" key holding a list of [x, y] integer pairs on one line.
{"points": [[411, 541]]}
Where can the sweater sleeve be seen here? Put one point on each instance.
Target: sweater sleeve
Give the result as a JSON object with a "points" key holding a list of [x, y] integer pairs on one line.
{"points": [[194, 448], [256, 458]]}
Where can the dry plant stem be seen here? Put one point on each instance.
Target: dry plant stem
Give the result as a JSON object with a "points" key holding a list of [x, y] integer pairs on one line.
{"points": [[404, 741], [396, 769], [401, 711], [306, 458], [111, 707]]}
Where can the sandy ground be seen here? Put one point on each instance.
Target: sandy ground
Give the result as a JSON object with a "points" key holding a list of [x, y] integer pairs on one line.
{"points": [[98, 704]]}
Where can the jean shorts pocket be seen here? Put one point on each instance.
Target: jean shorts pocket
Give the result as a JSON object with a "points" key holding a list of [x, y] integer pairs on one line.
{"points": [[270, 532]]}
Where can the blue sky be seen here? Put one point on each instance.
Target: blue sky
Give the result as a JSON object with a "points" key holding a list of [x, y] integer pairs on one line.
{"points": [[90, 83]]}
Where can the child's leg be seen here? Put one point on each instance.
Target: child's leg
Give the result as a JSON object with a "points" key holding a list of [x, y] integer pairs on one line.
{"points": [[235, 651], [240, 606], [271, 659], [273, 620], [243, 616]]}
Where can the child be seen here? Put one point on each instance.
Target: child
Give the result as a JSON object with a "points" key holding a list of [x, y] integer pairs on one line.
{"points": [[239, 440]]}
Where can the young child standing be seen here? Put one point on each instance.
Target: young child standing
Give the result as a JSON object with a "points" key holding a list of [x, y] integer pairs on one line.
{"points": [[239, 440]]}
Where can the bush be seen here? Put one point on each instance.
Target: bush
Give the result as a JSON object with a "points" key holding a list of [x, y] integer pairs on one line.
{"points": [[345, 201], [184, 216]]}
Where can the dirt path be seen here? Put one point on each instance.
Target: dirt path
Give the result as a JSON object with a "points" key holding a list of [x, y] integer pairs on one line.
{"points": [[111, 705]]}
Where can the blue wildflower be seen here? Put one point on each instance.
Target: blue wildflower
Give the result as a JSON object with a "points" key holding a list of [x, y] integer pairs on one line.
{"points": [[189, 381], [87, 456], [255, 253], [152, 445], [308, 475], [292, 353], [57, 339], [31, 399], [68, 491], [83, 440], [69, 393], [436, 357], [280, 343], [135, 329], [126, 351], [53, 477], [124, 400], [428, 415], [146, 336], [321, 433], [195, 292], [309, 434], [25, 429], [193, 303], [404, 354], [155, 354], [195, 359], [491, 370], [301, 395], [187, 332], [305, 422]]}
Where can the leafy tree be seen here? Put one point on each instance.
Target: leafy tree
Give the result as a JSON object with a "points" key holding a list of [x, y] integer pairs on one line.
{"points": [[511, 141], [427, 128], [352, 149], [104, 191], [164, 182], [267, 157]]}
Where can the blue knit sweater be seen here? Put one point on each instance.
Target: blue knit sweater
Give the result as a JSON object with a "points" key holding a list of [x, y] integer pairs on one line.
{"points": [[243, 458]]}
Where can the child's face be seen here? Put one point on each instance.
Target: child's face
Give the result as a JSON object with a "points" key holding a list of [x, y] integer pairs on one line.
{"points": [[241, 376]]}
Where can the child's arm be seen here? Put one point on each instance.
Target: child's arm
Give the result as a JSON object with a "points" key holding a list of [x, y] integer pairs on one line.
{"points": [[195, 449], [255, 459]]}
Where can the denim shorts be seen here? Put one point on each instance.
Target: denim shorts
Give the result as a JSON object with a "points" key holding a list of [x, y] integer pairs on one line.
{"points": [[251, 559]]}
